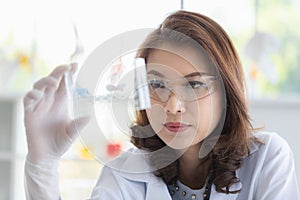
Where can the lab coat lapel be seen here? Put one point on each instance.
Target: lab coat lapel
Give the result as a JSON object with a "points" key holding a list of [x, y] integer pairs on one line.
{"points": [[130, 164], [155, 187], [157, 190]]}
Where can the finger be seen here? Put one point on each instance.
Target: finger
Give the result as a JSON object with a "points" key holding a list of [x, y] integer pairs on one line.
{"points": [[59, 71], [74, 68], [45, 82], [57, 74], [33, 95], [31, 98], [65, 84]]}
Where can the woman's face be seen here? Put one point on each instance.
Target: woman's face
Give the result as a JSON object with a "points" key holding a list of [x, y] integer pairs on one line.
{"points": [[186, 99]]}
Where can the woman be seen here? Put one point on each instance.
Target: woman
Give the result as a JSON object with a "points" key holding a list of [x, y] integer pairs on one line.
{"points": [[197, 133]]}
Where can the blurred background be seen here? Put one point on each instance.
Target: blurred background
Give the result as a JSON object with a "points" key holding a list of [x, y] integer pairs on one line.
{"points": [[36, 36]]}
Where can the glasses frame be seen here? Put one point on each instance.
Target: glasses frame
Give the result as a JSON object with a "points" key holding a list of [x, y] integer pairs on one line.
{"points": [[209, 79]]}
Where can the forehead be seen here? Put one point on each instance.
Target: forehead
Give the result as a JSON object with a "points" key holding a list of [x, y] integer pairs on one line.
{"points": [[179, 61]]}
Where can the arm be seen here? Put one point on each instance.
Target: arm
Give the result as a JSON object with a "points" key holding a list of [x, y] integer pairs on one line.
{"points": [[49, 132], [41, 181], [278, 178]]}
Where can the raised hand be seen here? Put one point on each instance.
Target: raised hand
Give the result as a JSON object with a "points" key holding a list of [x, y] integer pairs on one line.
{"points": [[49, 129]]}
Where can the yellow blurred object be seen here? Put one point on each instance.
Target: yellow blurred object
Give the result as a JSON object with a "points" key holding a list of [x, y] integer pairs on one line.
{"points": [[85, 153], [24, 62], [254, 71]]}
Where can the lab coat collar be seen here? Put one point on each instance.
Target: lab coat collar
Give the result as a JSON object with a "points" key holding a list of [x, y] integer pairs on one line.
{"points": [[135, 161], [156, 188], [253, 146], [132, 165]]}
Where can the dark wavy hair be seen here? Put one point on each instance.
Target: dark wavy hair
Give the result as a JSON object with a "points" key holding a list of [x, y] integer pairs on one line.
{"points": [[233, 144]]}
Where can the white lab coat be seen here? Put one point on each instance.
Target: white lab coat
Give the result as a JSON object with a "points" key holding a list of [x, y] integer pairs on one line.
{"points": [[268, 173]]}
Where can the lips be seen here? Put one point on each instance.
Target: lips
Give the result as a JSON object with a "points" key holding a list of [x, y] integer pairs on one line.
{"points": [[176, 126]]}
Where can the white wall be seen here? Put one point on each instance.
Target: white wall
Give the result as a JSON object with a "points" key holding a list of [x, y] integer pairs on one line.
{"points": [[282, 117]]}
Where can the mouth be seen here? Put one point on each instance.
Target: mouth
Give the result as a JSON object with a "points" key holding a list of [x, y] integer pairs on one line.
{"points": [[176, 126]]}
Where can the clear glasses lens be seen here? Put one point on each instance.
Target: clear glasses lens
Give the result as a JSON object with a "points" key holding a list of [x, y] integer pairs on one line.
{"points": [[187, 89]]}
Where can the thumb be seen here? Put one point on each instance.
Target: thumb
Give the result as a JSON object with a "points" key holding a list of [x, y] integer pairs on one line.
{"points": [[76, 126]]}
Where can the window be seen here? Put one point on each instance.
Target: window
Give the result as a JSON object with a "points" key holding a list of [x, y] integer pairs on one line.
{"points": [[268, 41]]}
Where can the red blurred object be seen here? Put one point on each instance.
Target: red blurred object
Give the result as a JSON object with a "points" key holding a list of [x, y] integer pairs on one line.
{"points": [[113, 149]]}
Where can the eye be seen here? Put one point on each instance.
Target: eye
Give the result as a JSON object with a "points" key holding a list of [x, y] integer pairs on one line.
{"points": [[155, 84], [197, 85]]}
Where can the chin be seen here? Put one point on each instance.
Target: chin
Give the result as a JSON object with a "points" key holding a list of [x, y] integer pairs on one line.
{"points": [[180, 144]]}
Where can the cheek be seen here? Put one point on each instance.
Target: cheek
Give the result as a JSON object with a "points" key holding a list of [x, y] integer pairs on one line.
{"points": [[207, 113], [156, 116]]}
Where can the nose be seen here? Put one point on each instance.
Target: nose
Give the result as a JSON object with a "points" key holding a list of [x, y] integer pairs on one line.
{"points": [[175, 105]]}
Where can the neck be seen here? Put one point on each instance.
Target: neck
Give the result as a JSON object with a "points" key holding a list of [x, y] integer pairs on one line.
{"points": [[192, 170]]}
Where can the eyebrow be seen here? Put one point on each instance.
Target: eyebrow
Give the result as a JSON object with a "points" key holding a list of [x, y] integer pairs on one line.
{"points": [[186, 76], [155, 73]]}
